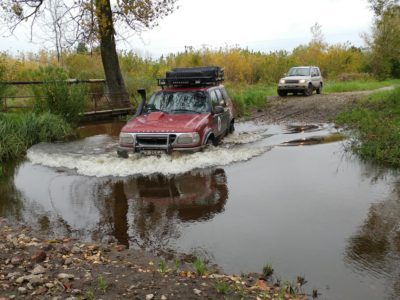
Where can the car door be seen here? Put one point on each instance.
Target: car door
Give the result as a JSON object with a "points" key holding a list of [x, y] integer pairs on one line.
{"points": [[218, 126], [314, 77], [226, 115]]}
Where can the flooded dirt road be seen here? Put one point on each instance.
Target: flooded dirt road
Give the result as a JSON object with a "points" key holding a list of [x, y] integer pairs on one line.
{"points": [[288, 196]]}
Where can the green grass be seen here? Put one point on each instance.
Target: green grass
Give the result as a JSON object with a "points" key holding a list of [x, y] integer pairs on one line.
{"points": [[375, 127], [267, 271], [222, 287], [19, 131], [357, 85], [102, 284], [247, 97], [200, 267]]}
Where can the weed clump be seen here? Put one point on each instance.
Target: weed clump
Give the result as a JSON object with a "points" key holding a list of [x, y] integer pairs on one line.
{"points": [[20, 131], [200, 267], [267, 271]]}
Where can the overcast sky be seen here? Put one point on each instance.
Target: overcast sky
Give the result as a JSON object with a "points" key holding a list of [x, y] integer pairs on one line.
{"points": [[264, 25]]}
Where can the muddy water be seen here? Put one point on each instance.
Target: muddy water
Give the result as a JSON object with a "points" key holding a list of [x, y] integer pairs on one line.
{"points": [[309, 209]]}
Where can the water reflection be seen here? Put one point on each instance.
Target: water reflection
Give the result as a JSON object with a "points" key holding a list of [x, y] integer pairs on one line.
{"points": [[375, 247], [10, 204], [149, 211], [146, 212]]}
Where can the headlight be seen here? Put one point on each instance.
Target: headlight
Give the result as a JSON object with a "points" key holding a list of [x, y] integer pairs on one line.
{"points": [[188, 138], [302, 81], [125, 138], [282, 81]]}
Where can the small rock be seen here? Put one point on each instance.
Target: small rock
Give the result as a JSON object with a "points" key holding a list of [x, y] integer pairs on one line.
{"points": [[12, 275], [20, 279], [65, 276], [262, 285], [68, 261], [38, 270], [49, 285], [40, 291], [149, 296], [76, 250], [204, 284], [197, 292], [29, 286], [64, 250], [35, 279], [76, 292], [163, 297], [22, 290], [39, 256], [16, 260]]}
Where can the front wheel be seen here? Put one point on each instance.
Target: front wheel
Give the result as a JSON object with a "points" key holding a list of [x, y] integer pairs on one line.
{"points": [[282, 93], [309, 90], [319, 90], [122, 153], [232, 127]]}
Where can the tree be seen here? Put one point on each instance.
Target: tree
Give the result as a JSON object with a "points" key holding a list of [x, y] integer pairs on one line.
{"points": [[384, 42], [95, 21], [380, 6]]}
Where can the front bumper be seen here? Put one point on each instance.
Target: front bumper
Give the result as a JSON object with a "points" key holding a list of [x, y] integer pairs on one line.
{"points": [[157, 142], [292, 87]]}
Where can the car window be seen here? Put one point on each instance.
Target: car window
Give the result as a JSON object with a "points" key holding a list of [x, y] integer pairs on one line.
{"points": [[214, 98], [299, 71], [220, 97], [179, 102]]}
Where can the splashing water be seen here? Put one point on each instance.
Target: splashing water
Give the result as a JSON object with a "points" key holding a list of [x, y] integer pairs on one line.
{"points": [[96, 156]]}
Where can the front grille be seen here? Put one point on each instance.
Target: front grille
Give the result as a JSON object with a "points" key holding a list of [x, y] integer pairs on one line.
{"points": [[154, 140], [291, 81]]}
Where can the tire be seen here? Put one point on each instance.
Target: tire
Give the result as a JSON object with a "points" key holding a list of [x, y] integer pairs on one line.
{"points": [[319, 90], [232, 127], [282, 93], [122, 153], [212, 141], [309, 90]]}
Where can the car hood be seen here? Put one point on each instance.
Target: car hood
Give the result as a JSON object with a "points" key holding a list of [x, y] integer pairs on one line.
{"points": [[163, 122], [296, 77]]}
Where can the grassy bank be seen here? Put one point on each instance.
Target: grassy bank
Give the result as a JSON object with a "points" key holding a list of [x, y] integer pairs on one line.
{"points": [[247, 97], [19, 131], [375, 125], [357, 85]]}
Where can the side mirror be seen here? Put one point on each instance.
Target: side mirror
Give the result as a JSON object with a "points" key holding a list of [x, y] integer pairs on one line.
{"points": [[284, 74], [219, 109]]}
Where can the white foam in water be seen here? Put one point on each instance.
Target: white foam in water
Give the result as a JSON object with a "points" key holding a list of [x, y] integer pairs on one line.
{"points": [[108, 164], [96, 155]]}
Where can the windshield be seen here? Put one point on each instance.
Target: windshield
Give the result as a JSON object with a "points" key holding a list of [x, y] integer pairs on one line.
{"points": [[299, 72], [179, 102]]}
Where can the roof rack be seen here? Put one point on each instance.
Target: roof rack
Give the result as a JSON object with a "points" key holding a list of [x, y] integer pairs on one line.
{"points": [[199, 76]]}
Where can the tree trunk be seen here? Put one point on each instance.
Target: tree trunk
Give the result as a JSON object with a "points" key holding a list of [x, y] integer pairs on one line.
{"points": [[115, 83]]}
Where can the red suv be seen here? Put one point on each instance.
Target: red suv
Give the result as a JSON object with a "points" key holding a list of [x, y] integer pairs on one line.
{"points": [[191, 110]]}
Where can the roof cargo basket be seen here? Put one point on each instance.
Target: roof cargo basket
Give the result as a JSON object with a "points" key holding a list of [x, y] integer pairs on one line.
{"points": [[199, 76]]}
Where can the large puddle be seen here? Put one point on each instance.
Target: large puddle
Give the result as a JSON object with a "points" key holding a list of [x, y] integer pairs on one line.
{"points": [[309, 209]]}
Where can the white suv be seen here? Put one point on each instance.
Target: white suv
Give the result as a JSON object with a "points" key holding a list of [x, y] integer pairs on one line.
{"points": [[301, 80]]}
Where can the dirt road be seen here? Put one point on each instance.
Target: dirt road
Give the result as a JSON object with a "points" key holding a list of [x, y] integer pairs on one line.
{"points": [[314, 109]]}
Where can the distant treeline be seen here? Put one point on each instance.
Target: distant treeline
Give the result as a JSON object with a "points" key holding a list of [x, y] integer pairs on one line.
{"points": [[338, 62]]}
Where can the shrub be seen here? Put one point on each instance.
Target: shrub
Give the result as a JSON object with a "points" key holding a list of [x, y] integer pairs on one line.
{"points": [[57, 96]]}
